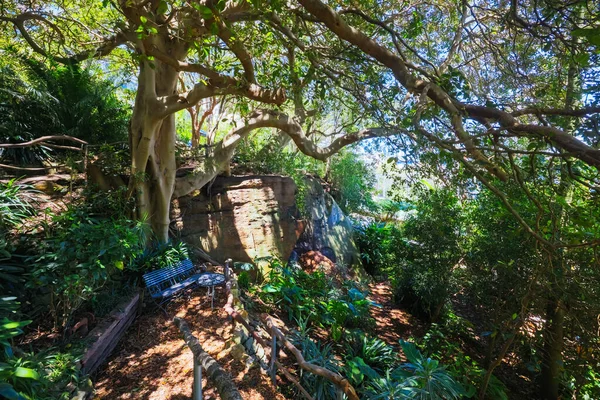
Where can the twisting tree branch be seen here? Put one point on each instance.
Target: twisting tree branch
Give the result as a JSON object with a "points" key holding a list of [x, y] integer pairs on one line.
{"points": [[107, 45], [455, 108]]}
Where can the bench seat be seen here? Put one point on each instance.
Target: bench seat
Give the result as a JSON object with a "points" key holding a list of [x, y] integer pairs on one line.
{"points": [[165, 283], [170, 291]]}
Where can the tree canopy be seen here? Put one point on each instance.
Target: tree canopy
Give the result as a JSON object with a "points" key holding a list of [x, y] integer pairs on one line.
{"points": [[491, 97]]}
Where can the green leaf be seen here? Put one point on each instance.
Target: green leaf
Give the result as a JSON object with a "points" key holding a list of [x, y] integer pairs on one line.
{"points": [[583, 59], [270, 289], [143, 19], [29, 373], [7, 391], [411, 352], [591, 34], [162, 8], [204, 11]]}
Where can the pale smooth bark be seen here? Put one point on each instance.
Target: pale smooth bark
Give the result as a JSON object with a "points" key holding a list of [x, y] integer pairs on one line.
{"points": [[218, 158]]}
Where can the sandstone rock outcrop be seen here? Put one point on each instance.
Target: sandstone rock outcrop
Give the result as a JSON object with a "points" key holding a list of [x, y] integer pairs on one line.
{"points": [[328, 229], [241, 217]]}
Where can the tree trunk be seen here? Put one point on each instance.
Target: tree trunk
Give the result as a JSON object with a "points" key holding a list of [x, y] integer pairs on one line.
{"points": [[553, 345], [153, 142], [195, 130]]}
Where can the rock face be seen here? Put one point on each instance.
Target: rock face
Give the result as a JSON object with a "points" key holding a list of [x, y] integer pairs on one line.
{"points": [[241, 217], [328, 229]]}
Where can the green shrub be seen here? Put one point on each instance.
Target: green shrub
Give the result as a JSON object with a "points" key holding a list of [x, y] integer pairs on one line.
{"points": [[18, 376], [80, 259], [442, 341], [314, 297], [38, 100], [160, 255], [243, 280], [424, 279], [14, 204], [380, 247], [373, 351], [352, 182], [322, 355]]}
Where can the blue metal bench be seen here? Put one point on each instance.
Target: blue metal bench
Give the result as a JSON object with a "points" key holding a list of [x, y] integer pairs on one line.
{"points": [[165, 283]]}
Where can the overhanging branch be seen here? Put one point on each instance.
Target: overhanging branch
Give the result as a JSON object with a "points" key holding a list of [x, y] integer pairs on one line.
{"points": [[455, 108], [223, 151], [108, 45]]}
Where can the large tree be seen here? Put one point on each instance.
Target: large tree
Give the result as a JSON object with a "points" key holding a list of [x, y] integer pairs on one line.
{"points": [[503, 91], [215, 41], [431, 52], [510, 91]]}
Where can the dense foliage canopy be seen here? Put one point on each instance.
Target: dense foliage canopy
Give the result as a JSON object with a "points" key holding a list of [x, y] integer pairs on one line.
{"points": [[495, 101]]}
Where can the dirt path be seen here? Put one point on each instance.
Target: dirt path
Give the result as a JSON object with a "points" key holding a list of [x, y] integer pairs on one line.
{"points": [[152, 361], [393, 323]]}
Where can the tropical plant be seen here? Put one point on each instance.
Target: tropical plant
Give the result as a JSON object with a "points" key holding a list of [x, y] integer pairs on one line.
{"points": [[159, 255], [321, 355], [15, 204], [420, 378], [40, 100], [17, 375], [372, 350], [313, 297]]}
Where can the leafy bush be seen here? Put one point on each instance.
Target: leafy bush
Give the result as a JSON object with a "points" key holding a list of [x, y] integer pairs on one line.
{"points": [[37, 100], [352, 182], [160, 255], [419, 378], [293, 290], [80, 259], [313, 296], [14, 204], [380, 245], [442, 341], [18, 376], [373, 351], [50, 374], [432, 249], [419, 256], [323, 356], [243, 280]]}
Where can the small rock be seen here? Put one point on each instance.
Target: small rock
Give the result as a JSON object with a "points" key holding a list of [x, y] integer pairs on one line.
{"points": [[238, 352], [81, 395]]}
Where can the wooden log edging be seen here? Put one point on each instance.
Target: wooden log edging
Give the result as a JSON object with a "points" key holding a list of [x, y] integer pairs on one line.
{"points": [[106, 336], [214, 373], [337, 379], [237, 317]]}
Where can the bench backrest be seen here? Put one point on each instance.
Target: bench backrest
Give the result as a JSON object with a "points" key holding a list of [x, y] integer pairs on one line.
{"points": [[164, 277]]}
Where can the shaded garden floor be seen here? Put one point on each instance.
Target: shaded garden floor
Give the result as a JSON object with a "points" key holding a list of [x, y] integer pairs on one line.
{"points": [[392, 323], [153, 362]]}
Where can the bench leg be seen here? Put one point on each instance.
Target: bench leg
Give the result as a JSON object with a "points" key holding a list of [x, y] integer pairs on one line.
{"points": [[211, 293], [163, 309]]}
